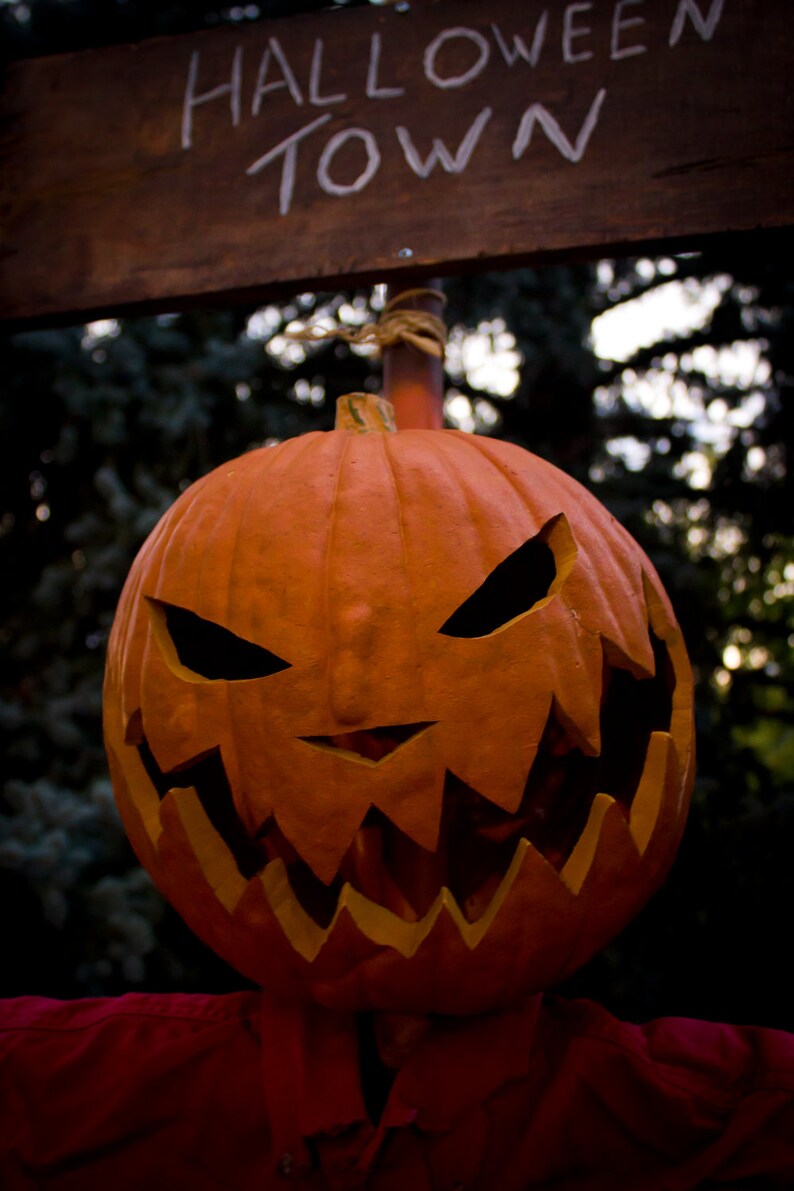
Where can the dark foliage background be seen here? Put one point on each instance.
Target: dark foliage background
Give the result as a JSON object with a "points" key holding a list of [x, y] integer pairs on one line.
{"points": [[102, 426]]}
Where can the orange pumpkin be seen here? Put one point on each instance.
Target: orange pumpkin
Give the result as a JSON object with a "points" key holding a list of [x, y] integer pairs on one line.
{"points": [[398, 721]]}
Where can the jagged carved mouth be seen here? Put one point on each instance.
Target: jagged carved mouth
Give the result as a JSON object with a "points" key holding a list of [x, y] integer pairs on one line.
{"points": [[477, 840]]}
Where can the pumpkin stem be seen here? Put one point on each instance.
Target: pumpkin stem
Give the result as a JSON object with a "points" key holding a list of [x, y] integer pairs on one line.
{"points": [[414, 380], [364, 413]]}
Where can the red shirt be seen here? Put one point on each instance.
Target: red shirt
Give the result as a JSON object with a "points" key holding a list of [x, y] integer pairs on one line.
{"points": [[236, 1093]]}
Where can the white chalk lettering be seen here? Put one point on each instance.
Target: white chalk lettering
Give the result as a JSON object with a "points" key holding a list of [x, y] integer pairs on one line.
{"points": [[519, 50], [289, 147], [704, 25], [314, 79], [374, 91], [329, 152], [620, 22], [456, 80], [569, 32], [287, 79], [440, 154], [572, 150], [193, 100]]}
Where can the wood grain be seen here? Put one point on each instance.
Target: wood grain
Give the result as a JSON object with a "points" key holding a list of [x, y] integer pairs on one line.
{"points": [[117, 194]]}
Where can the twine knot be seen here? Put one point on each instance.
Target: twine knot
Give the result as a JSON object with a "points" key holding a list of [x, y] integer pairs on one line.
{"points": [[419, 329]]}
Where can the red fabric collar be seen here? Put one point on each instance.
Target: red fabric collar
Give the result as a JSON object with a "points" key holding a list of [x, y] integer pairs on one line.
{"points": [[312, 1085]]}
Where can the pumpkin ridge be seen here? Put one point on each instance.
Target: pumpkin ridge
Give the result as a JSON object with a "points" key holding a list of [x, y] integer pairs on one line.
{"points": [[627, 621], [506, 480], [267, 462], [385, 441], [264, 462], [344, 441], [218, 582], [125, 628], [463, 489], [171, 559], [476, 443]]}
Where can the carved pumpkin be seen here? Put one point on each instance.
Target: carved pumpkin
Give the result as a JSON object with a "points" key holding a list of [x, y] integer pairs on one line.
{"points": [[398, 721]]}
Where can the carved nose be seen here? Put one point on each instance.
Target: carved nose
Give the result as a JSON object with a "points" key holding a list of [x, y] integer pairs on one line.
{"points": [[371, 744]]}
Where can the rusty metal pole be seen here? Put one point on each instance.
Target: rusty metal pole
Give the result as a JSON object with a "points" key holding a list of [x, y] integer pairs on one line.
{"points": [[413, 380]]}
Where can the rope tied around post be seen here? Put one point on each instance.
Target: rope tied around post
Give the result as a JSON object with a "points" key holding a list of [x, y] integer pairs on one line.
{"points": [[419, 329]]}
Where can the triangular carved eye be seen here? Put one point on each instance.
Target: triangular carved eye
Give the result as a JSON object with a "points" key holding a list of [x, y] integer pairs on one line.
{"points": [[206, 649], [523, 581]]}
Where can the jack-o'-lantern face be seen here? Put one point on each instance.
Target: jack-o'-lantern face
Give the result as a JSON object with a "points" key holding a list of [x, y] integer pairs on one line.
{"points": [[399, 721]]}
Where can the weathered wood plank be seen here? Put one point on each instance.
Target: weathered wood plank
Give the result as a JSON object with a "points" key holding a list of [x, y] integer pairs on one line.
{"points": [[300, 151]]}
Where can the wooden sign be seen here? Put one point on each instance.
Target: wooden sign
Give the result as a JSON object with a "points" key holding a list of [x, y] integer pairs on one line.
{"points": [[350, 145]]}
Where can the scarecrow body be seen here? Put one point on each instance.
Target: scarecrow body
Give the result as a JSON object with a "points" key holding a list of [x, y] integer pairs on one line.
{"points": [[235, 1092], [400, 723]]}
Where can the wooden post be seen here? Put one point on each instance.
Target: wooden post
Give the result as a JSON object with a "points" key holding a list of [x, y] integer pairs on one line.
{"points": [[413, 380]]}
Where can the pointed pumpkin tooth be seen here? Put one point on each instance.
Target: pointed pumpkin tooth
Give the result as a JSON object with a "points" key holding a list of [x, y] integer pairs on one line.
{"points": [[184, 882], [414, 805], [396, 973], [577, 704], [138, 801], [614, 885], [259, 944], [432, 983], [580, 718], [528, 887], [660, 612], [366, 870], [214, 857], [497, 766], [322, 838], [305, 935], [382, 926], [143, 793], [581, 858], [659, 775], [526, 935], [172, 726]]}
